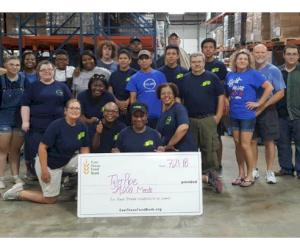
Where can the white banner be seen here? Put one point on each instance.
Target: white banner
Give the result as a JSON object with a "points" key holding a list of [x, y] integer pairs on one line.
{"points": [[139, 184]]}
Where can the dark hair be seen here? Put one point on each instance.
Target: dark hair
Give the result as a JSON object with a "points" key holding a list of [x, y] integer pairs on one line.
{"points": [[172, 47], [109, 44], [86, 53], [291, 47], [172, 86], [124, 51], [95, 78], [61, 52], [24, 55], [209, 40]]}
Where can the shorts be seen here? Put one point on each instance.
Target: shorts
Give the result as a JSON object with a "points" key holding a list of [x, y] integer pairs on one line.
{"points": [[247, 125], [9, 129], [267, 125], [52, 188]]}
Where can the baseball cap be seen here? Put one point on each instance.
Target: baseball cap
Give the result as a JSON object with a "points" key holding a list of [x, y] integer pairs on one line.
{"points": [[144, 52], [138, 106], [134, 38], [174, 34]]}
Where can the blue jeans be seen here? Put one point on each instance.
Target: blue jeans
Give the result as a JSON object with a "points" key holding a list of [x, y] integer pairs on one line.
{"points": [[289, 130]]}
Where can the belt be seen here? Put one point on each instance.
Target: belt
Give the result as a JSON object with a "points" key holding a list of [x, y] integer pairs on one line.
{"points": [[202, 116]]}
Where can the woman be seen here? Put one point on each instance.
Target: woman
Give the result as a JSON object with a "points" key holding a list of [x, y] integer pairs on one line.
{"points": [[174, 127], [42, 103], [11, 136], [92, 101], [138, 137], [28, 66], [107, 52], [241, 85], [57, 153], [87, 69]]}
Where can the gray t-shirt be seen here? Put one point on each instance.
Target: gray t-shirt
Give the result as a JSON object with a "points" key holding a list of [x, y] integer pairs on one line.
{"points": [[80, 83], [109, 66]]}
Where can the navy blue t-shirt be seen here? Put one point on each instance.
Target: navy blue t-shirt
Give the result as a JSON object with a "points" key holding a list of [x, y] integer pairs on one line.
{"points": [[170, 121], [174, 75], [130, 141], [218, 68], [63, 140], [118, 81], [46, 103], [109, 137], [200, 93]]}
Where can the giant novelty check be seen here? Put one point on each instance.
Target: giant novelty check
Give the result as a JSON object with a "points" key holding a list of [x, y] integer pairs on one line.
{"points": [[139, 184]]}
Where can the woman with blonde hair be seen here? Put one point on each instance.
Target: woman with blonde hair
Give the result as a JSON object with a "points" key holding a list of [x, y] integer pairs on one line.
{"points": [[241, 85]]}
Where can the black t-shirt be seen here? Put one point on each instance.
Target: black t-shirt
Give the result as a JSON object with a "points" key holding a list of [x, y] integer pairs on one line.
{"points": [[118, 81], [174, 75], [218, 68], [200, 93]]}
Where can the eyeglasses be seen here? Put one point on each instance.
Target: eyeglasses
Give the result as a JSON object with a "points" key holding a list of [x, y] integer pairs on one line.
{"points": [[45, 70]]}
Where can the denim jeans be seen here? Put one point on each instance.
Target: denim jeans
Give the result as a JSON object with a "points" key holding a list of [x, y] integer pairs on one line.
{"points": [[289, 130]]}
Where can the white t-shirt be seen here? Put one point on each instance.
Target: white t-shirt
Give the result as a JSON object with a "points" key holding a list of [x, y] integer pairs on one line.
{"points": [[62, 75]]}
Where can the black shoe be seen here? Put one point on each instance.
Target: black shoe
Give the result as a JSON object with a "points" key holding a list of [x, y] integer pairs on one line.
{"points": [[282, 173]]}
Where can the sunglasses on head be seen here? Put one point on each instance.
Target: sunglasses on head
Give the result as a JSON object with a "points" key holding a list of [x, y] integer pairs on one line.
{"points": [[98, 77]]}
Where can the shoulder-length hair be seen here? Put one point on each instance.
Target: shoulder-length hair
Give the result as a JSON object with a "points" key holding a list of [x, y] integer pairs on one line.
{"points": [[109, 44], [235, 56]]}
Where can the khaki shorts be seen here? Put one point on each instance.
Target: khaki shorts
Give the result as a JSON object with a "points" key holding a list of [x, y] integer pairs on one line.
{"points": [[52, 188]]}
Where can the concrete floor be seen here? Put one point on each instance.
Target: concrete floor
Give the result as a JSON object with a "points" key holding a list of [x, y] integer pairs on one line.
{"points": [[262, 210]]}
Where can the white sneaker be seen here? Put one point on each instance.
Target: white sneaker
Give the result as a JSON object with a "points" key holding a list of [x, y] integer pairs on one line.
{"points": [[255, 173], [2, 185], [270, 177], [13, 193], [18, 180]]}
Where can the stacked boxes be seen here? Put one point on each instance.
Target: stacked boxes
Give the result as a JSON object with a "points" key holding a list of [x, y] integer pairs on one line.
{"points": [[285, 25], [261, 27]]}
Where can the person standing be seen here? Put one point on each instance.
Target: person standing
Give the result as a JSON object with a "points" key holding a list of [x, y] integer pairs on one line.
{"points": [[107, 51], [57, 153], [28, 65], [12, 86], [289, 114], [241, 85], [143, 84], [208, 47], [135, 46], [267, 123], [203, 97]]}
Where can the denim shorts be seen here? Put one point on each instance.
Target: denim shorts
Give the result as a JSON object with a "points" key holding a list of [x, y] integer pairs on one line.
{"points": [[9, 129], [243, 125]]}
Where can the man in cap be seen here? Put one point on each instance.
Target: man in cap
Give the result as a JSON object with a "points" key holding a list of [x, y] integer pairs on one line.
{"points": [[142, 86], [138, 137], [135, 45], [184, 59]]}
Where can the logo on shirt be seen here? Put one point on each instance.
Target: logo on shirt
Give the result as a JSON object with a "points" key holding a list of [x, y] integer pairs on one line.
{"points": [[205, 83], [59, 92], [179, 76], [168, 120], [81, 135], [116, 137], [214, 70], [127, 79], [149, 84], [233, 81], [86, 168], [148, 143]]}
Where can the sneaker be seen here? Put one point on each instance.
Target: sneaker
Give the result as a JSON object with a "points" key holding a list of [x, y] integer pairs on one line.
{"points": [[18, 180], [2, 185], [215, 182], [255, 173], [270, 177], [13, 193]]}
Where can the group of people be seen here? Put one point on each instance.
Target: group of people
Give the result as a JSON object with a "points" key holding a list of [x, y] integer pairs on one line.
{"points": [[107, 106]]}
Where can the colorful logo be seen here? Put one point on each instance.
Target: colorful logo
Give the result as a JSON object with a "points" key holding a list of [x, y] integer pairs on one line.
{"points": [[116, 137], [206, 83], [81, 135], [59, 92], [86, 168], [179, 76], [214, 70], [127, 79], [168, 120], [149, 84], [148, 143]]}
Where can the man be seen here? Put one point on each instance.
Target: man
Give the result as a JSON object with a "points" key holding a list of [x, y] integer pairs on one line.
{"points": [[267, 124], [107, 129], [138, 137], [289, 113], [203, 96], [135, 45], [118, 82], [173, 72], [208, 47], [183, 60], [143, 84]]}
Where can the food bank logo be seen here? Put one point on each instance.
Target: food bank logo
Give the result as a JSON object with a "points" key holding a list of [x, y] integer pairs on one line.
{"points": [[86, 168]]}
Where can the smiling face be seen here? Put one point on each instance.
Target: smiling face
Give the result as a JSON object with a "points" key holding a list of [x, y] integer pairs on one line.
{"points": [[12, 66], [208, 50], [61, 61], [260, 54], [88, 62], [29, 62], [110, 112], [197, 64], [106, 52], [145, 62], [124, 61], [291, 56], [97, 88], [73, 110], [242, 62], [139, 120], [171, 57], [46, 72], [167, 96]]}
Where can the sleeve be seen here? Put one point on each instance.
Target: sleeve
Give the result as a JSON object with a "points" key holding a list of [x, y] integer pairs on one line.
{"points": [[119, 142], [50, 134], [181, 115], [131, 86], [68, 94], [157, 139], [219, 87], [278, 81], [163, 77], [223, 71], [259, 79]]}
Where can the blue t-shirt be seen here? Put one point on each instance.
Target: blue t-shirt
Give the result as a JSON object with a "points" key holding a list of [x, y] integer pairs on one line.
{"points": [[200, 93], [130, 141], [168, 124], [274, 76], [46, 103], [31, 78], [109, 137], [217, 67], [174, 75], [145, 84], [119, 80], [241, 88], [63, 140]]}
